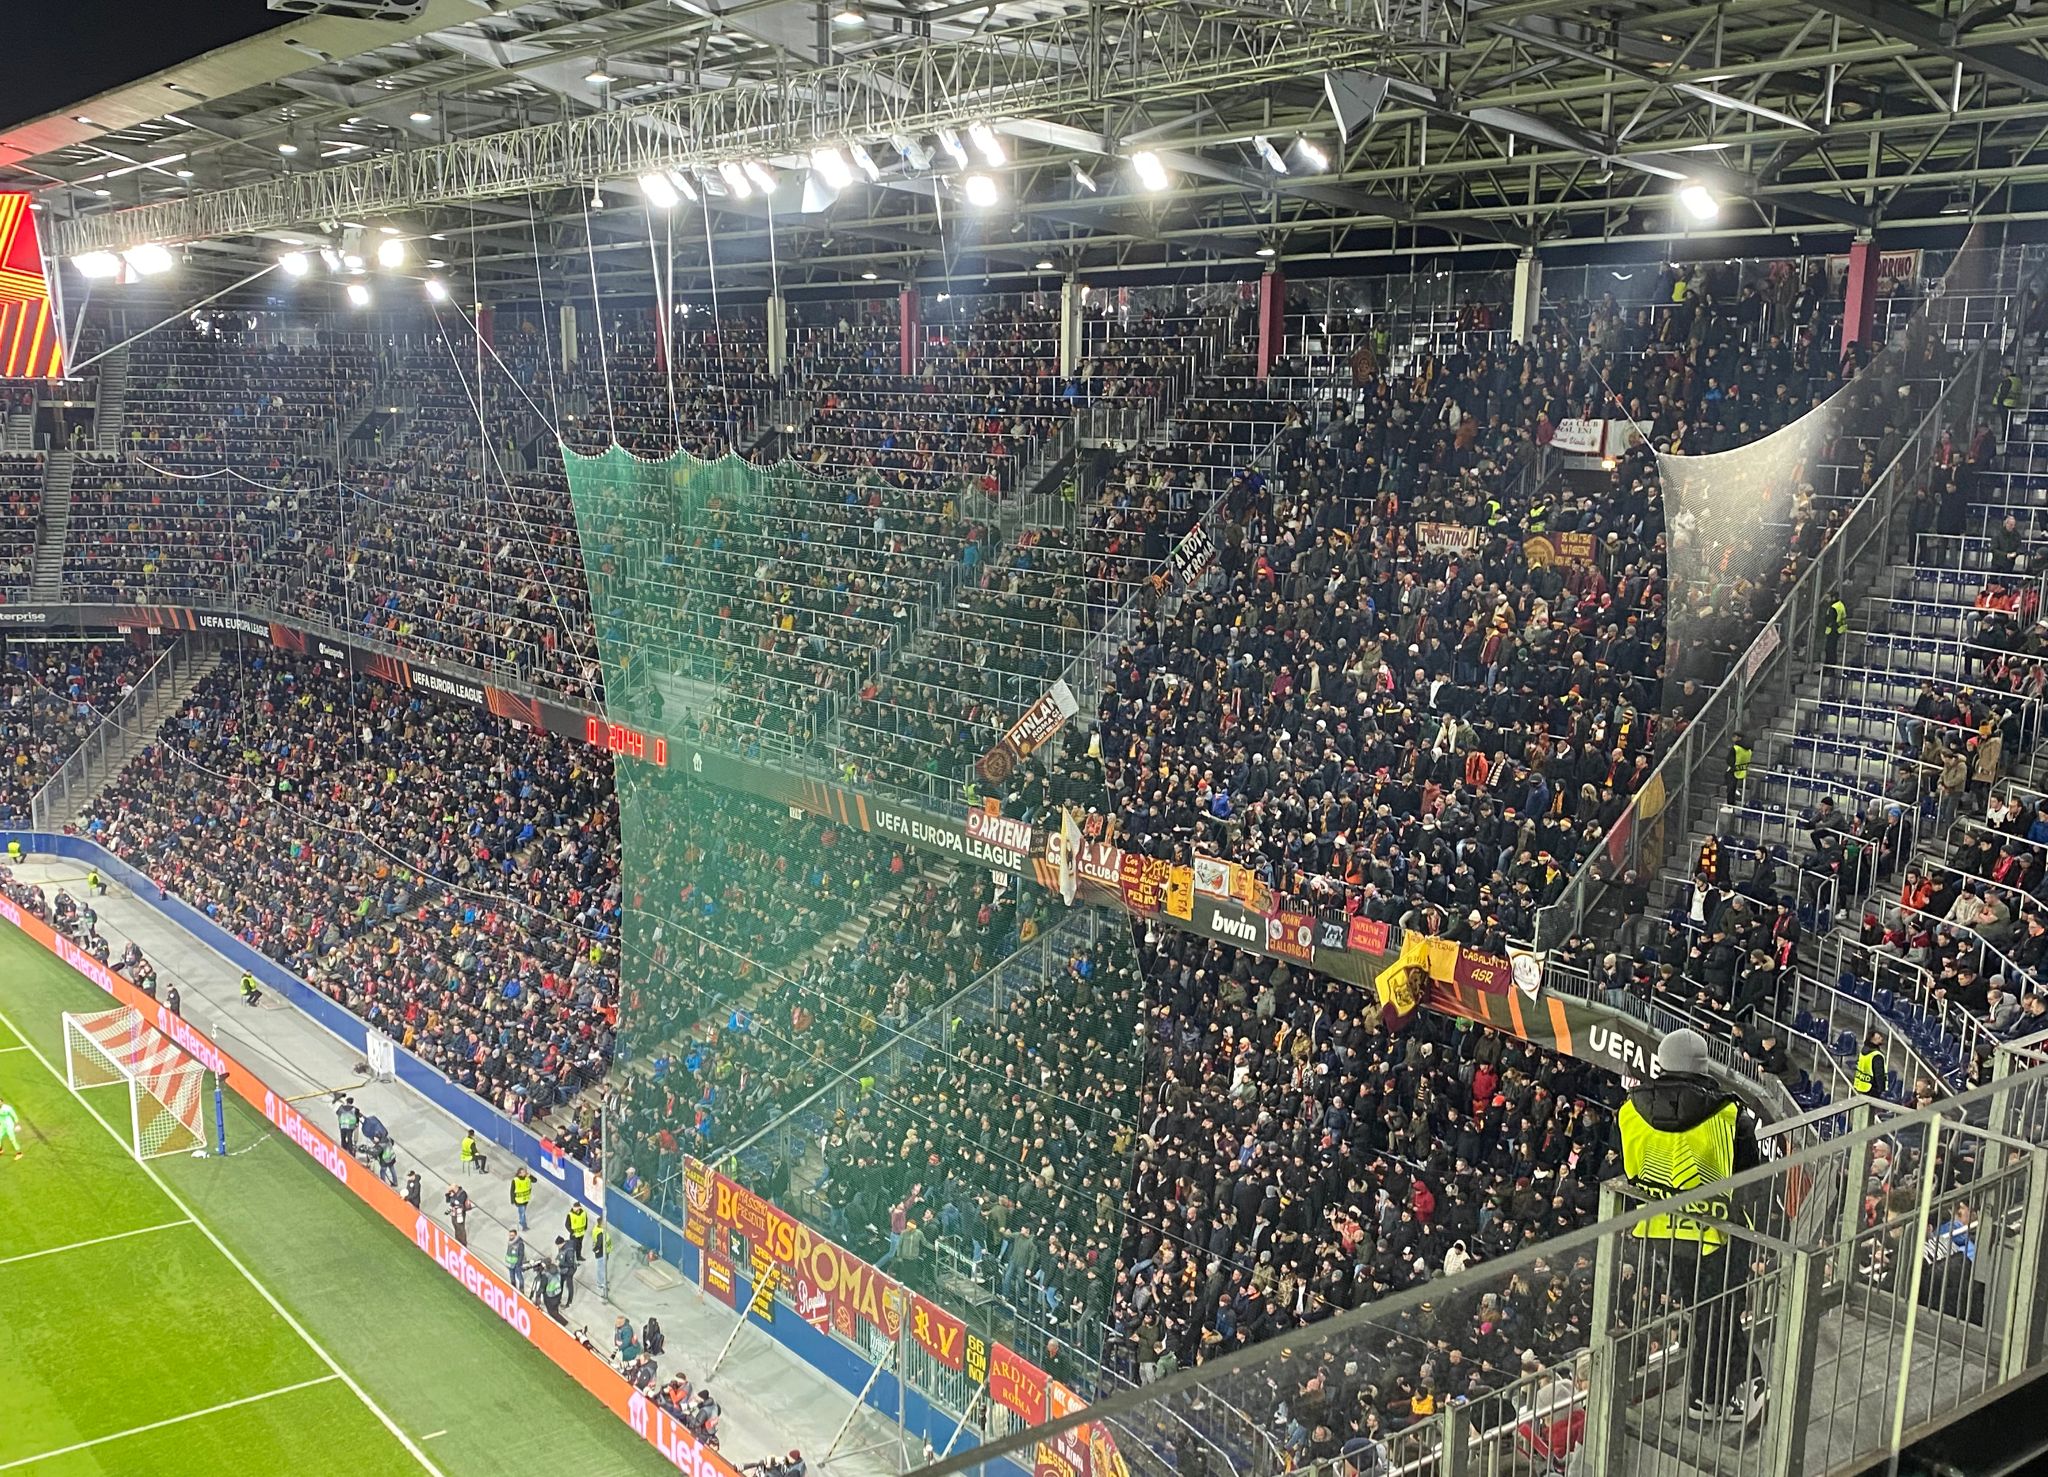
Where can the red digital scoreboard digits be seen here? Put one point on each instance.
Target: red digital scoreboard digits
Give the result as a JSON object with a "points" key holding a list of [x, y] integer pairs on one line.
{"points": [[616, 738], [30, 344]]}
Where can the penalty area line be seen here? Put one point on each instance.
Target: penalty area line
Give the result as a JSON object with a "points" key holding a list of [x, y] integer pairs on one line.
{"points": [[176, 1420]]}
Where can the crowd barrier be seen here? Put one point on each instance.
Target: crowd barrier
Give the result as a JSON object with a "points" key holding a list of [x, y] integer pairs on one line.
{"points": [[734, 1283], [647, 1420]]}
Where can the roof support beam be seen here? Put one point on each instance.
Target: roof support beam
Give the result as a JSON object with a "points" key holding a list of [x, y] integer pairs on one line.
{"points": [[2007, 61]]}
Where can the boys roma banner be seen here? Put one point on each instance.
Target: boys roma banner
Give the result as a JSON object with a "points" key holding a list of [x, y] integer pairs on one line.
{"points": [[830, 1286]]}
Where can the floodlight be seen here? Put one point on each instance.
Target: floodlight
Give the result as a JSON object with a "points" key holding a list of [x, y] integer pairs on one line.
{"points": [[660, 193], [391, 253], [295, 264], [148, 260], [1312, 152], [762, 176], [1151, 173], [437, 289], [1699, 201], [1082, 177], [735, 180], [833, 166], [865, 161], [359, 294], [987, 144], [682, 184], [1271, 155], [980, 190], [950, 142], [97, 265]]}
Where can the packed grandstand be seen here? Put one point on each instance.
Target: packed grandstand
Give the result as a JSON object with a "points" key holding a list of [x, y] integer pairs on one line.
{"points": [[1130, 1148]]}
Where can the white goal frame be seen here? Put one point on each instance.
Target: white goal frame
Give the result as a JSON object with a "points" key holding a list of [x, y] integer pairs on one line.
{"points": [[166, 1088]]}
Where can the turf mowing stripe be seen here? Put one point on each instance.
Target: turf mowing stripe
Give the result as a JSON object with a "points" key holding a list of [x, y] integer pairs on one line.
{"points": [[193, 1415], [29, 1256], [234, 1261]]}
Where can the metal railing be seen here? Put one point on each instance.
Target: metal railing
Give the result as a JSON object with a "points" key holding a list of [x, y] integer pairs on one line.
{"points": [[1785, 650], [119, 728], [1821, 1311]]}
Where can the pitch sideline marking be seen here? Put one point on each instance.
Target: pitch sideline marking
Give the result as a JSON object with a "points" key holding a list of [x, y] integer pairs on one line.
{"points": [[176, 1420], [29, 1256], [234, 1261]]}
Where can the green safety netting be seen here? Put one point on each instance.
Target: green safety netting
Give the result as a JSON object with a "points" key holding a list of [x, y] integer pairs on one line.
{"points": [[835, 1020]]}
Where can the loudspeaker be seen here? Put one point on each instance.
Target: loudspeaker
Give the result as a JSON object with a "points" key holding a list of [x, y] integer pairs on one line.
{"points": [[1355, 98]]}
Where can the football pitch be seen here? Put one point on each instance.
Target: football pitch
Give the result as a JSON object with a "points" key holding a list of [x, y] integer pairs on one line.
{"points": [[241, 1314]]}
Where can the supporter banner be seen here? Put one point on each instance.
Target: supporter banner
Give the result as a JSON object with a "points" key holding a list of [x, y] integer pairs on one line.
{"points": [[1400, 984], [1212, 877], [1526, 965], [718, 1278], [647, 1420], [938, 1332], [1448, 538], [1037, 723], [854, 1293], [1142, 882], [1291, 935], [1367, 935], [1180, 894], [1193, 555], [1544, 549], [1579, 437], [1016, 1384], [1488, 973], [1071, 1453], [1331, 934]]}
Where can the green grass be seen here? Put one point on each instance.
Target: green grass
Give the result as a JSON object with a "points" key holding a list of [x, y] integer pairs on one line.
{"points": [[99, 1340]]}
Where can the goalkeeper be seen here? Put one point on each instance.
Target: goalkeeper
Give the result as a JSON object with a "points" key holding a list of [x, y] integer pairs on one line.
{"points": [[9, 1121]]}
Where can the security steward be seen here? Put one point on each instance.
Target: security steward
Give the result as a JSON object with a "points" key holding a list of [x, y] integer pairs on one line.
{"points": [[1682, 1133], [250, 994], [1834, 625], [1739, 756], [1872, 1077]]}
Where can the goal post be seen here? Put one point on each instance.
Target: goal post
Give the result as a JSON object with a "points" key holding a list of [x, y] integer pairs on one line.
{"points": [[166, 1088]]}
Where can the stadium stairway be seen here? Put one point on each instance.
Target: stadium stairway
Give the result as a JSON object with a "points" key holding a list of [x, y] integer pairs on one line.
{"points": [[128, 729], [46, 583], [110, 414], [1846, 738], [20, 432]]}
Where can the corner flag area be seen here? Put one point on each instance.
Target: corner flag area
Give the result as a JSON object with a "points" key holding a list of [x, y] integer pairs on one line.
{"points": [[234, 1314]]}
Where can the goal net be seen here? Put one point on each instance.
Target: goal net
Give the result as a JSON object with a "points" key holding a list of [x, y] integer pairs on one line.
{"points": [[166, 1088]]}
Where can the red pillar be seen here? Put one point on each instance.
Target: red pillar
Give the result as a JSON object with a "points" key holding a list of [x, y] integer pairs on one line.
{"points": [[487, 324], [1272, 319], [908, 327], [1859, 295]]}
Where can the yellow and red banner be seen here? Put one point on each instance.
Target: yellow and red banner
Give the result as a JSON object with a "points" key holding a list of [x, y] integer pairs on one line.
{"points": [[938, 1332], [830, 1286], [1016, 1384], [31, 341]]}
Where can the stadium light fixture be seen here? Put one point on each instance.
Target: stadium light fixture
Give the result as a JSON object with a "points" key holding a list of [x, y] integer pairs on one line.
{"points": [[1275, 161], [735, 180], [330, 258], [1042, 265], [683, 185], [848, 15], [359, 294], [660, 193], [950, 142], [1267, 250], [421, 115], [97, 266], [915, 154], [287, 147], [148, 260], [865, 162], [1313, 153], [437, 289], [1151, 173], [597, 76], [295, 264], [980, 190], [1699, 201], [1081, 176], [391, 253], [762, 176], [832, 164], [987, 144], [184, 174], [351, 261], [867, 276]]}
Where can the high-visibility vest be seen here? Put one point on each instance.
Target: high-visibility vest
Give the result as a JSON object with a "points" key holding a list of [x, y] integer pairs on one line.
{"points": [[579, 1220], [522, 1189], [1743, 754], [248, 983], [600, 1242], [468, 1147], [14, 851], [1869, 1066], [1838, 618], [1664, 1162]]}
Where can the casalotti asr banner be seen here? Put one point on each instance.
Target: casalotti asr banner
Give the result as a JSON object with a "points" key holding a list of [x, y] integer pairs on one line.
{"points": [[648, 1421]]}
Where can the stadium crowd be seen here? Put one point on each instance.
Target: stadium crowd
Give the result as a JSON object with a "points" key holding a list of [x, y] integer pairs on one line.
{"points": [[1378, 697]]}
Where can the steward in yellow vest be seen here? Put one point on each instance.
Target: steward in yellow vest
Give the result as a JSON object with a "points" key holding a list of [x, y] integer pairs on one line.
{"points": [[1681, 1133]]}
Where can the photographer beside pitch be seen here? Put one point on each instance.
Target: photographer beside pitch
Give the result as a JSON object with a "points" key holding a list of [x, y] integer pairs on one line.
{"points": [[1680, 1133]]}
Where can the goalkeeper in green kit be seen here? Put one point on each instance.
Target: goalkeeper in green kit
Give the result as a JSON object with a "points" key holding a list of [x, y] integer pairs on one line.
{"points": [[9, 1119]]}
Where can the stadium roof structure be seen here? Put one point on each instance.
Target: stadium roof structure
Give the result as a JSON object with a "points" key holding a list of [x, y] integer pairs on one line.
{"points": [[507, 131]]}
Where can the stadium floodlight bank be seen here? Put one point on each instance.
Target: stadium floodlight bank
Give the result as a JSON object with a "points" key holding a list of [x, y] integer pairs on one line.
{"points": [[166, 1088]]}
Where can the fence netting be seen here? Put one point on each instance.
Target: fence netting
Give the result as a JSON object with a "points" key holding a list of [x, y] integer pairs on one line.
{"points": [[908, 1050]]}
